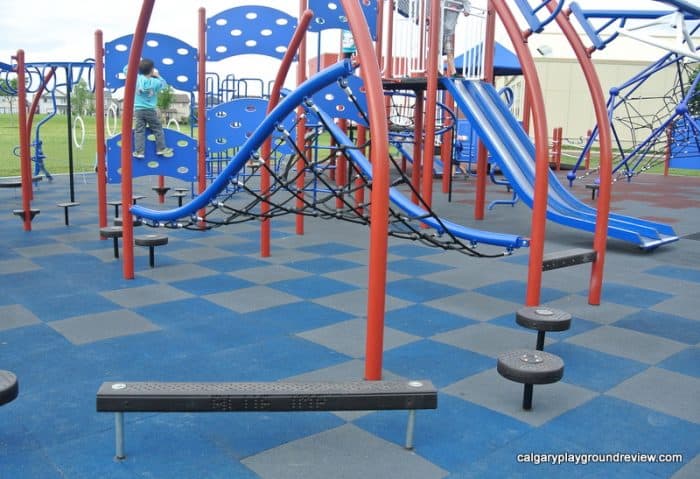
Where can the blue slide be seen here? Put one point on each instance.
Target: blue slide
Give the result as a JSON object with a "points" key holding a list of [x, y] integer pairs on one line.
{"points": [[438, 167], [514, 152], [286, 106]]}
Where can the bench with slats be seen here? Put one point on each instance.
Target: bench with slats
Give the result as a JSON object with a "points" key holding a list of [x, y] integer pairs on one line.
{"points": [[121, 397]]}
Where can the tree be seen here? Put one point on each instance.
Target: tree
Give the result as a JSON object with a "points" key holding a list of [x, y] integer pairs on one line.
{"points": [[8, 88], [82, 99], [165, 98], [694, 100]]}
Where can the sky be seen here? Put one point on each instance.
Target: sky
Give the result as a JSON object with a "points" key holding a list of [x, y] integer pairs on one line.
{"points": [[63, 30]]}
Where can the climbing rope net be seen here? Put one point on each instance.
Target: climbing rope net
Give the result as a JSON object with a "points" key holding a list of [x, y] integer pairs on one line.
{"points": [[307, 182]]}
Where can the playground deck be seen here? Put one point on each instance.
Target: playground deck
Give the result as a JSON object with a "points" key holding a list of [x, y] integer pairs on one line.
{"points": [[213, 310]]}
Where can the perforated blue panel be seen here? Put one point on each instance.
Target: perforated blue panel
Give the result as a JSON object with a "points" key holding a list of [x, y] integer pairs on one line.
{"points": [[335, 102], [249, 29], [175, 60], [329, 14], [181, 165], [230, 124]]}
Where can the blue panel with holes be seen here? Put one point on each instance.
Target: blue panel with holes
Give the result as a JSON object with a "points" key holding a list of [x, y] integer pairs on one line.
{"points": [[181, 164], [175, 60], [230, 124], [335, 102], [329, 14], [249, 29]]}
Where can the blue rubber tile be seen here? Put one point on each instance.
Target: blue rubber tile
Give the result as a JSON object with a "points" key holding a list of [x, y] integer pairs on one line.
{"points": [[329, 249], [312, 287], [323, 265], [676, 272], [662, 324], [412, 250], [593, 369], [630, 295], [211, 284], [254, 236], [424, 321], [526, 457], [251, 248], [75, 303], [578, 326], [441, 363], [606, 424], [416, 267], [419, 290], [684, 362], [295, 317], [515, 291], [189, 310], [233, 263], [453, 436]]}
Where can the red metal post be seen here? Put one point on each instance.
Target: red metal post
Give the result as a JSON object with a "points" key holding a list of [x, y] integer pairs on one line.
{"points": [[527, 111], [380, 190], [539, 207], [587, 164], [301, 127], [100, 129], [417, 145], [127, 143], [482, 154], [341, 168], [434, 61], [389, 60], [667, 156], [202, 105], [25, 166], [605, 145], [446, 147], [359, 182], [266, 149]]}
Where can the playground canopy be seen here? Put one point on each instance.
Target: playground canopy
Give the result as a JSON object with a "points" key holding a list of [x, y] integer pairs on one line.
{"points": [[505, 62]]}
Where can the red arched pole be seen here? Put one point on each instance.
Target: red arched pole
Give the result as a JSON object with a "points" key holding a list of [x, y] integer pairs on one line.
{"points": [[446, 146], [100, 129], [539, 207], [417, 145], [482, 154], [431, 100], [37, 97], [301, 128], [380, 189], [605, 144], [202, 105], [527, 111], [127, 143], [25, 167], [266, 149], [380, 31]]}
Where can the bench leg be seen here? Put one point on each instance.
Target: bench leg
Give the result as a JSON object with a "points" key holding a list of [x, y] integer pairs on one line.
{"points": [[410, 427], [116, 247], [151, 256], [116, 211], [65, 214], [119, 435], [527, 397], [540, 341]]}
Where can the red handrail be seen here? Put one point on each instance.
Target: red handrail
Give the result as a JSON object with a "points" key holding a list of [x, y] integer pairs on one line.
{"points": [[100, 130], [25, 166], [202, 105]]}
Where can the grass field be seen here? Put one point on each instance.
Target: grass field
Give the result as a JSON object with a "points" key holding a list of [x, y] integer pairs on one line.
{"points": [[55, 137]]}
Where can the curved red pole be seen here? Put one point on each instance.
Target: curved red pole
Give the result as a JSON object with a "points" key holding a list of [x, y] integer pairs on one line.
{"points": [[431, 101], [379, 133], [37, 97], [605, 145], [127, 143], [446, 146], [202, 106], [539, 207], [25, 167], [100, 128], [266, 149]]}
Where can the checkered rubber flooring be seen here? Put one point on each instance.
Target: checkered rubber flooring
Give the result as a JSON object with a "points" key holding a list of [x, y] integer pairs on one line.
{"points": [[213, 310]]}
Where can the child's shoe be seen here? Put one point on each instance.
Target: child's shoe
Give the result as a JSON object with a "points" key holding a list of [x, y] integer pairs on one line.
{"points": [[138, 154], [164, 151]]}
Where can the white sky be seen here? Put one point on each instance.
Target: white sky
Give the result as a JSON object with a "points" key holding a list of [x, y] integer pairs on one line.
{"points": [[63, 30]]}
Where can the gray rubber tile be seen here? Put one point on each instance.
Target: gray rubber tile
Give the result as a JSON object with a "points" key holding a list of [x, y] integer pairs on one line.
{"points": [[665, 391], [475, 306], [346, 452], [685, 304], [96, 327], [691, 470], [489, 340], [355, 302], [251, 299], [488, 273], [17, 265], [46, 250], [630, 344], [15, 316], [605, 313], [348, 337], [268, 274], [285, 255], [194, 255], [360, 276], [490, 390], [145, 295], [177, 272]]}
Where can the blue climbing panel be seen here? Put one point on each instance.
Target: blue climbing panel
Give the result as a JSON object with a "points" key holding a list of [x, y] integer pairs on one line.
{"points": [[685, 146], [330, 14], [230, 124], [249, 29], [175, 60], [182, 164], [335, 102]]}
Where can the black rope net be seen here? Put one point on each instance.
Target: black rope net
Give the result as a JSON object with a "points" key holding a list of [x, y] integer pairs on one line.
{"points": [[309, 177]]}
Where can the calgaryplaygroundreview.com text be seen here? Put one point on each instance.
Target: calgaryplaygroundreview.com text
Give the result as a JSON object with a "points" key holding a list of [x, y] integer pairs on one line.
{"points": [[607, 458]]}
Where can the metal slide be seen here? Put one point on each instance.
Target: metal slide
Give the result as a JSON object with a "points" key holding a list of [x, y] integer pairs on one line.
{"points": [[514, 152]]}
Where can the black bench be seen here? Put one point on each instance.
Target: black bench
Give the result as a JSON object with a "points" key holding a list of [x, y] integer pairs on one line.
{"points": [[566, 258], [179, 195], [594, 189], [151, 240], [118, 203], [66, 206], [17, 182], [32, 213], [114, 232], [121, 397], [530, 367], [9, 388], [543, 319]]}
